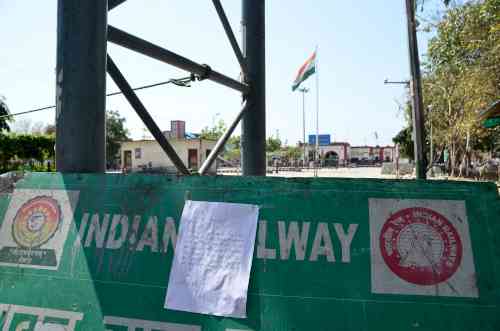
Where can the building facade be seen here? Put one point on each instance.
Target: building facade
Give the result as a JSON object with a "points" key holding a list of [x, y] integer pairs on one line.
{"points": [[342, 153], [373, 153], [144, 154], [337, 153]]}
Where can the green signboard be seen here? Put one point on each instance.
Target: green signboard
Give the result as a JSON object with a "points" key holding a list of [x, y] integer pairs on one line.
{"points": [[93, 252]]}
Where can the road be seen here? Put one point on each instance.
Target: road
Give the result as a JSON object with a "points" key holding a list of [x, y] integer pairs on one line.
{"points": [[359, 172]]}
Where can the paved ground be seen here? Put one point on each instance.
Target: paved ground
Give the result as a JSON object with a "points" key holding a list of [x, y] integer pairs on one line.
{"points": [[360, 172]]}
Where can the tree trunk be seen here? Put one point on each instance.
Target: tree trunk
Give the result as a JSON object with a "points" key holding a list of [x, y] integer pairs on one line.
{"points": [[452, 159]]}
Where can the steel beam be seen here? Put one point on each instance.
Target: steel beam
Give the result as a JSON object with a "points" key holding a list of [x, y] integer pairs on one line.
{"points": [[139, 108], [253, 137], [416, 92], [230, 35], [114, 3], [81, 86], [222, 141], [144, 47]]}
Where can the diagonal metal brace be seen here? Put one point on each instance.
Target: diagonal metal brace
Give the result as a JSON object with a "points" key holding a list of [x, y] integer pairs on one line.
{"points": [[144, 47], [139, 108], [114, 3], [222, 141], [230, 36]]}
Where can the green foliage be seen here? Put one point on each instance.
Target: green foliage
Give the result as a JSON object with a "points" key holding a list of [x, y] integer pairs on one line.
{"points": [[233, 142], [115, 134], [4, 110], [214, 132], [293, 152], [404, 139], [273, 144], [232, 151], [18, 149], [461, 78], [50, 129]]}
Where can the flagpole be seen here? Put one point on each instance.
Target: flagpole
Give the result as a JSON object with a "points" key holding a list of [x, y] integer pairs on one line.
{"points": [[318, 160]]}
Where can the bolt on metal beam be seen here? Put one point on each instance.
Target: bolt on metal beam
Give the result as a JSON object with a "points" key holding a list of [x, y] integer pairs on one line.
{"points": [[136, 103], [222, 141], [144, 47], [230, 35]]}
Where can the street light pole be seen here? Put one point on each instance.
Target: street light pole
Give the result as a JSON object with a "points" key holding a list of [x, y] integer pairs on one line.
{"points": [[304, 91], [416, 91]]}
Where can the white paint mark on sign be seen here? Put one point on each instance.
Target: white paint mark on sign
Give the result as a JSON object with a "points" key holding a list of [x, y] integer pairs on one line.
{"points": [[149, 236], [133, 324], [345, 240], [116, 237], [40, 326], [421, 247], [322, 244], [294, 237], [10, 312], [262, 251]]}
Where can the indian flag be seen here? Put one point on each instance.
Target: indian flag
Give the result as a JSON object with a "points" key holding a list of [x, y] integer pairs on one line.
{"points": [[306, 70]]}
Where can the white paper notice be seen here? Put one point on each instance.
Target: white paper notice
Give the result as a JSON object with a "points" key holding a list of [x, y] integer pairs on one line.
{"points": [[213, 258]]}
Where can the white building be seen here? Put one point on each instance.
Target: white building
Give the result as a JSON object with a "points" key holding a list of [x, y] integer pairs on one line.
{"points": [[343, 153], [339, 151], [377, 153], [147, 154]]}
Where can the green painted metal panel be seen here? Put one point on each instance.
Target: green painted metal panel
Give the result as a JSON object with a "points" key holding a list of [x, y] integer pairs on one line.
{"points": [[109, 268], [491, 122]]}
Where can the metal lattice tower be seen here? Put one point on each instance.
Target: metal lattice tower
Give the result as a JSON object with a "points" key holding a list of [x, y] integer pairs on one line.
{"points": [[82, 63]]}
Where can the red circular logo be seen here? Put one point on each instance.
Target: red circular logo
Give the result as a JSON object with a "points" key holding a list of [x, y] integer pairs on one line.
{"points": [[421, 246], [36, 222]]}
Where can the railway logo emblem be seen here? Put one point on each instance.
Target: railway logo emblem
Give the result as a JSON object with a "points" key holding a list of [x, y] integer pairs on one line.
{"points": [[36, 222], [35, 228], [420, 246]]}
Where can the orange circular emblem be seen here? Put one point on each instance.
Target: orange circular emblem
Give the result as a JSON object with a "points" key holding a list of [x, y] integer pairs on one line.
{"points": [[36, 222]]}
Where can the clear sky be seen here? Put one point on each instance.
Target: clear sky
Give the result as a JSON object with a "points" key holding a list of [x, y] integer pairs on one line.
{"points": [[360, 44]]}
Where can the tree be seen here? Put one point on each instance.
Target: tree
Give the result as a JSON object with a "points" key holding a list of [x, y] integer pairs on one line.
{"points": [[4, 110], [461, 76], [273, 144], [115, 134], [403, 138], [50, 129], [293, 152], [214, 132], [17, 150]]}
